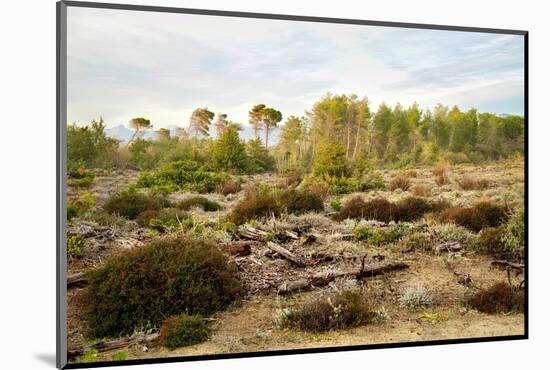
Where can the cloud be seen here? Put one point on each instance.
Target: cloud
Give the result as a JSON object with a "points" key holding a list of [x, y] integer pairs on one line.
{"points": [[123, 64]]}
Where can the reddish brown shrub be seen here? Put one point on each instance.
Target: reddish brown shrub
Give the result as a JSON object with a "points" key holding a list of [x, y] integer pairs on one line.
{"points": [[228, 186], [255, 205], [469, 183], [399, 182], [442, 179], [421, 190], [500, 297], [477, 217]]}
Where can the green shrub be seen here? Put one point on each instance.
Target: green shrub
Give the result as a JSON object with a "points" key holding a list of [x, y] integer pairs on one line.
{"points": [[130, 203], [182, 175], [346, 185], [476, 217], [89, 356], [201, 202], [444, 233], [300, 201], [500, 297], [382, 235], [79, 176], [417, 242], [72, 211], [415, 298], [343, 310], [120, 356], [75, 245], [147, 284], [336, 204], [184, 330], [80, 205], [330, 160], [162, 219], [505, 242], [256, 205]]}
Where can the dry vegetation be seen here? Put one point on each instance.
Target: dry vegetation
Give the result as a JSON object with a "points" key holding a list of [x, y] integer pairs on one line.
{"points": [[270, 262]]}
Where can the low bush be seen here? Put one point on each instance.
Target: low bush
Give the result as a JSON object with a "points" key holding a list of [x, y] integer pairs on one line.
{"points": [[343, 310], [200, 202], [416, 298], [444, 233], [80, 205], [476, 217], [346, 185], [382, 235], [410, 173], [75, 245], [417, 242], [89, 356], [79, 177], [498, 298], [470, 183], [183, 330], [228, 186], [167, 277], [421, 191], [182, 175], [301, 201], [317, 187], [130, 203], [336, 204], [399, 182], [162, 219], [408, 209], [120, 356], [255, 205], [506, 242]]}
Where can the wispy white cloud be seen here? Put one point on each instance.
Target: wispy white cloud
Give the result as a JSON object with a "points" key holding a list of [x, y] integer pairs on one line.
{"points": [[122, 64]]}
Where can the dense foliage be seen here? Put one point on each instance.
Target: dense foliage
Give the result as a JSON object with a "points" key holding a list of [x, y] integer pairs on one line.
{"points": [[146, 285]]}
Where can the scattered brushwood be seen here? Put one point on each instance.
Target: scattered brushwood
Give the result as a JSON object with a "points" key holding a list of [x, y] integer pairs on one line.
{"points": [[297, 260], [130, 203], [77, 280], [301, 201], [324, 278], [470, 183], [184, 330], [199, 202], [476, 217], [167, 277], [255, 205], [161, 220], [505, 265], [299, 234], [346, 309], [228, 186], [110, 345], [399, 182], [498, 298], [421, 190], [408, 209], [449, 247]]}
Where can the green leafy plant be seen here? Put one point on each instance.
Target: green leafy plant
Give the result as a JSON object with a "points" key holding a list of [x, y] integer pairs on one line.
{"points": [[201, 202], [120, 356], [130, 203], [184, 330], [168, 276], [415, 298], [75, 245], [89, 356]]}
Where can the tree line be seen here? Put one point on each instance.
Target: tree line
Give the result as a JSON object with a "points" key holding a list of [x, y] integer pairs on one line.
{"points": [[341, 125]]}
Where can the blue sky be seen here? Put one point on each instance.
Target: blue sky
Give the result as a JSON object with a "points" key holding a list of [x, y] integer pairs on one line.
{"points": [[123, 64]]}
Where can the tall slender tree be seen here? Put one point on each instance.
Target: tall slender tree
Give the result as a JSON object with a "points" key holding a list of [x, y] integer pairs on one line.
{"points": [[200, 121]]}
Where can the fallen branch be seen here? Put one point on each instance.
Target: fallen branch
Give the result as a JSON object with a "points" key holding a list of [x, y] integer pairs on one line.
{"points": [[286, 254], [252, 234], [324, 278], [449, 247], [506, 264], [77, 280], [112, 344]]}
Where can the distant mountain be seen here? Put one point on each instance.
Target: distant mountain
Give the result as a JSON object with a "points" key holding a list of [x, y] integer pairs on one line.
{"points": [[124, 133]]}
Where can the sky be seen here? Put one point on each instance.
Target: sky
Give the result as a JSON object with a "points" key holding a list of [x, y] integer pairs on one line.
{"points": [[123, 64]]}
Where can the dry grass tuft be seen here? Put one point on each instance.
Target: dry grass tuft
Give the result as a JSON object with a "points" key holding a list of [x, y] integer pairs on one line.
{"points": [[440, 168], [421, 190], [499, 298], [400, 182], [469, 183]]}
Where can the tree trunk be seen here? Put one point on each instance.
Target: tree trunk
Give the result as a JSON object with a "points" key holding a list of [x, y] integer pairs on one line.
{"points": [[357, 138]]}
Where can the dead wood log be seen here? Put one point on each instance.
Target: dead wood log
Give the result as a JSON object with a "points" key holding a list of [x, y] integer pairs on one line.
{"points": [[252, 234], [112, 344], [77, 280], [298, 261], [449, 247], [505, 264], [238, 248], [324, 278]]}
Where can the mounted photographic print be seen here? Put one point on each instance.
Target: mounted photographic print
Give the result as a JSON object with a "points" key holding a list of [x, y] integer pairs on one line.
{"points": [[239, 184]]}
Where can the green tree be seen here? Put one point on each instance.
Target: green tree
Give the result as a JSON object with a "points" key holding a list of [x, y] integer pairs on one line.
{"points": [[259, 159], [330, 160], [138, 124], [200, 121], [164, 134], [229, 151]]}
